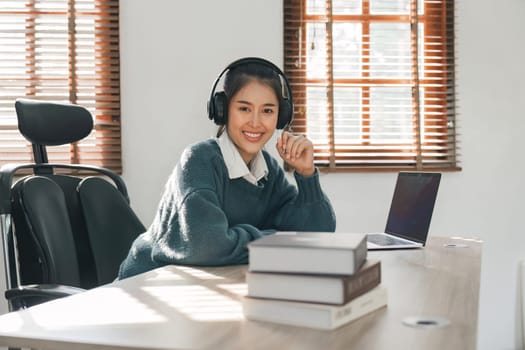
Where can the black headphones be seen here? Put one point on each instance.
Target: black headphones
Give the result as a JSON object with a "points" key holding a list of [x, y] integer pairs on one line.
{"points": [[218, 102]]}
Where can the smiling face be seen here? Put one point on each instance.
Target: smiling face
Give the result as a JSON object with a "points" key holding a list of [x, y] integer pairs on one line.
{"points": [[252, 118]]}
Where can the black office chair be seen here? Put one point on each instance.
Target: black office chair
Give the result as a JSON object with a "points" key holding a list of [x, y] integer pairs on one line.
{"points": [[62, 234]]}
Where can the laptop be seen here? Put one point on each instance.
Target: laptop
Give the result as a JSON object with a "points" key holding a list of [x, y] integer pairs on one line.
{"points": [[410, 212]]}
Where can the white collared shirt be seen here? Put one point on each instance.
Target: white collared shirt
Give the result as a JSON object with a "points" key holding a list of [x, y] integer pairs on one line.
{"points": [[235, 164]]}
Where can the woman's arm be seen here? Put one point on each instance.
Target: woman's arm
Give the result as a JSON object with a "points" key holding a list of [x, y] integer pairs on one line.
{"points": [[197, 233], [305, 208]]}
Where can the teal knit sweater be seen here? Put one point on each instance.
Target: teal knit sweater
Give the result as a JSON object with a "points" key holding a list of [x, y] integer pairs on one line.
{"points": [[206, 218]]}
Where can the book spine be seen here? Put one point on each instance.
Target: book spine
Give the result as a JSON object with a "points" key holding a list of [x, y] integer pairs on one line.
{"points": [[364, 281], [359, 307], [360, 254]]}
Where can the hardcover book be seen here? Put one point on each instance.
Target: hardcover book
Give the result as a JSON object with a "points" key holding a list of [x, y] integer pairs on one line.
{"points": [[313, 315], [330, 289], [309, 252]]}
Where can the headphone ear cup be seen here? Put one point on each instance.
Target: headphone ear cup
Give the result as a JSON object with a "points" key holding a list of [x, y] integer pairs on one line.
{"points": [[285, 114], [219, 108]]}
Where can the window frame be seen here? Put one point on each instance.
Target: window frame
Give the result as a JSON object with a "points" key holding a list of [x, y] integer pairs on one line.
{"points": [[420, 154]]}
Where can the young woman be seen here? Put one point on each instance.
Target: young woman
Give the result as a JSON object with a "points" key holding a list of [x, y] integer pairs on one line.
{"points": [[228, 191]]}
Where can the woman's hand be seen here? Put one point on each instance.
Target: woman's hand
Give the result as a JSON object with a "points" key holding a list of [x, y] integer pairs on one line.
{"points": [[298, 152]]}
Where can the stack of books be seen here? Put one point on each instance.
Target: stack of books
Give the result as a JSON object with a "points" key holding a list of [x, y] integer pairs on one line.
{"points": [[312, 279]]}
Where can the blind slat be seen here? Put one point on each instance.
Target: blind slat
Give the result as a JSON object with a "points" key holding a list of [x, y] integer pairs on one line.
{"points": [[66, 52]]}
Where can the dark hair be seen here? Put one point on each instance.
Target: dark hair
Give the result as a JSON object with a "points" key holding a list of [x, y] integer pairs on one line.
{"points": [[238, 77]]}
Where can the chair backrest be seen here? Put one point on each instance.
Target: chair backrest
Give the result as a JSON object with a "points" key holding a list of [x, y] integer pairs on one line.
{"points": [[110, 224], [62, 229], [44, 233]]}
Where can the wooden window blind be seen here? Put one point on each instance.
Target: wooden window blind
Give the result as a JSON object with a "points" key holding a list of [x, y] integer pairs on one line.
{"points": [[373, 82], [64, 51]]}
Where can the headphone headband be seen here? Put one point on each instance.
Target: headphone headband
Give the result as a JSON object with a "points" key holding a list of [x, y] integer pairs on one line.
{"points": [[218, 102]]}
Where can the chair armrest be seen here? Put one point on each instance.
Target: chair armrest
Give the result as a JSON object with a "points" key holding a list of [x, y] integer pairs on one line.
{"points": [[29, 295]]}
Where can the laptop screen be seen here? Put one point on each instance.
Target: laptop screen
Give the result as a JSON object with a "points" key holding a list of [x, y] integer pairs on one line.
{"points": [[412, 205]]}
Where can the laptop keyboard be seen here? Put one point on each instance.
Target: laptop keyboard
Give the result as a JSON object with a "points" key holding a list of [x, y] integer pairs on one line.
{"points": [[384, 240]]}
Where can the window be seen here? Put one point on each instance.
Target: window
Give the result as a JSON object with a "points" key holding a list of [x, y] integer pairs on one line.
{"points": [[64, 51], [373, 82]]}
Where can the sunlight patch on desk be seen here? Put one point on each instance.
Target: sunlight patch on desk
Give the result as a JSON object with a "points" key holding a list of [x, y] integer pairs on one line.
{"points": [[125, 309], [165, 275], [198, 303], [239, 289], [180, 273], [200, 274], [468, 239], [15, 323]]}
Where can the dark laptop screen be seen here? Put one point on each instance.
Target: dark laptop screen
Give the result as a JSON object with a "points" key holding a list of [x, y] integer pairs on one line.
{"points": [[412, 205]]}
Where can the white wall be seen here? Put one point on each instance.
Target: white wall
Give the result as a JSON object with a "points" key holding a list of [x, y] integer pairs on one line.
{"points": [[172, 51]]}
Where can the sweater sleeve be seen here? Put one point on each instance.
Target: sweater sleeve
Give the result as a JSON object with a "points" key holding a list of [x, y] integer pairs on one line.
{"points": [[305, 208], [199, 234]]}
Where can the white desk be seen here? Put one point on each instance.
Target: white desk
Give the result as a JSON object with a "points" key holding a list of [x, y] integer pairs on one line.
{"points": [[188, 308]]}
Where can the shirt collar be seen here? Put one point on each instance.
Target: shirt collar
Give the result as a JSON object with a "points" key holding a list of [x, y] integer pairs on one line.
{"points": [[235, 164]]}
